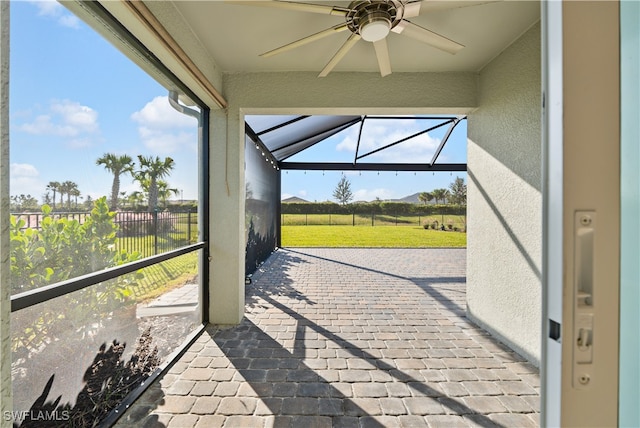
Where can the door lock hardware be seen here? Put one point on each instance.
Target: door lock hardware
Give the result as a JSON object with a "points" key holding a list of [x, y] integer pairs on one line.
{"points": [[584, 297]]}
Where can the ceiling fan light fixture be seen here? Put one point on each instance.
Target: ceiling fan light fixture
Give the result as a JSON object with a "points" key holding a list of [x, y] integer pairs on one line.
{"points": [[375, 30]]}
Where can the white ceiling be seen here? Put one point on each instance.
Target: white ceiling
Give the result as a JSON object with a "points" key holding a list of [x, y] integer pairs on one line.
{"points": [[236, 34]]}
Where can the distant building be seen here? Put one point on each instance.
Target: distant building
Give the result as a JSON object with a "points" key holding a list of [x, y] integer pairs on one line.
{"points": [[293, 199]]}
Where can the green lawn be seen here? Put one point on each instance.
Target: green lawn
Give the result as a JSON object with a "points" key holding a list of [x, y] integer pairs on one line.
{"points": [[165, 276], [367, 236], [458, 221]]}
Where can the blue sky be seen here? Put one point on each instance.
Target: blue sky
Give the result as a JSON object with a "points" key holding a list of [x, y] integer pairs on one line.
{"points": [[74, 97], [369, 185]]}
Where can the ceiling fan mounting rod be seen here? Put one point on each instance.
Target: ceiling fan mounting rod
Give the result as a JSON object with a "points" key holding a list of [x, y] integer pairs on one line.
{"points": [[373, 19]]}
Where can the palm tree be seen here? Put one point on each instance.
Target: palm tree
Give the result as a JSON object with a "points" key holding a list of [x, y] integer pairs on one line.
{"points": [[68, 188], [440, 195], [54, 186], [153, 169], [136, 198], [117, 165], [62, 190], [164, 192], [425, 197], [76, 194]]}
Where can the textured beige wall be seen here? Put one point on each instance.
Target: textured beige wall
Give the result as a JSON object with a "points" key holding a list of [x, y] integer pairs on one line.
{"points": [[352, 93], [504, 199]]}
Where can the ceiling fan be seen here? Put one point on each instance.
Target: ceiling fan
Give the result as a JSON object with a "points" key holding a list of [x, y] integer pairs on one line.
{"points": [[372, 21]]}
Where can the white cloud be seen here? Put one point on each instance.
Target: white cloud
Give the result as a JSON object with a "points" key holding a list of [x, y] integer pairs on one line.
{"points": [[164, 130], [302, 193], [158, 113], [64, 118], [81, 117], [54, 10], [25, 179], [70, 21], [372, 194], [419, 149], [23, 170], [79, 143], [163, 142]]}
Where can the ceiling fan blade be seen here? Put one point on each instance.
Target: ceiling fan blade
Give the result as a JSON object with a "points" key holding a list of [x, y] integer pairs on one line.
{"points": [[382, 53], [300, 7], [352, 40], [423, 6], [414, 31], [412, 9], [312, 38]]}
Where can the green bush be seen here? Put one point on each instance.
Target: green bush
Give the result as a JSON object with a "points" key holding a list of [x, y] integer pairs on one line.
{"points": [[62, 249]]}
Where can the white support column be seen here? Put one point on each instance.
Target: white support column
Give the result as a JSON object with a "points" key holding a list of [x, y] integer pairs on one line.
{"points": [[227, 240], [5, 262]]}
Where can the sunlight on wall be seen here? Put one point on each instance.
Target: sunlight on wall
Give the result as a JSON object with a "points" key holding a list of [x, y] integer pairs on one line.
{"points": [[504, 199]]}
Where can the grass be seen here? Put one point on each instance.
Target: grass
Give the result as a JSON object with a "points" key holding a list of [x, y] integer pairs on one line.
{"points": [[367, 236], [163, 277], [367, 220]]}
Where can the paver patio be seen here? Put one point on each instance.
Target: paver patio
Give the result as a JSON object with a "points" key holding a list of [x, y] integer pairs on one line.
{"points": [[347, 337]]}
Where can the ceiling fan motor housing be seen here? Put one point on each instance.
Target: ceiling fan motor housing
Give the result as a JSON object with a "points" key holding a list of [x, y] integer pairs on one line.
{"points": [[373, 19]]}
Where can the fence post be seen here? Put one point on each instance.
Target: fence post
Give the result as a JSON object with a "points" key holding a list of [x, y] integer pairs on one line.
{"points": [[189, 227], [353, 219], [306, 223], [372, 217], [155, 231]]}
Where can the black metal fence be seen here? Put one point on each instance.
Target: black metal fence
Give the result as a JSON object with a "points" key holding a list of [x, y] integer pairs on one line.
{"points": [[433, 221], [148, 233]]}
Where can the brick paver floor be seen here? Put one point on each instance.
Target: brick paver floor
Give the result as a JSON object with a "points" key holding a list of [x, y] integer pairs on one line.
{"points": [[348, 338]]}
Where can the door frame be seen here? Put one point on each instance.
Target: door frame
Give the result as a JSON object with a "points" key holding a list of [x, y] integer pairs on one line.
{"points": [[581, 174]]}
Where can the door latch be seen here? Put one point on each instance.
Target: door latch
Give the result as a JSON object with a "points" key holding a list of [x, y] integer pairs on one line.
{"points": [[583, 298]]}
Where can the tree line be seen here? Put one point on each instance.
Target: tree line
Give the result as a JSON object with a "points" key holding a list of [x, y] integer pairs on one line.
{"points": [[456, 194], [368, 208], [149, 172]]}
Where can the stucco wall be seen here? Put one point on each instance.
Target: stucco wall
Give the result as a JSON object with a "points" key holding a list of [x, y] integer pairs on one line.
{"points": [[504, 199], [5, 302], [351, 93]]}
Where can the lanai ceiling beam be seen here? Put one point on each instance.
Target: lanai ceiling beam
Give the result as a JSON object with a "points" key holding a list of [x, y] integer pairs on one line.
{"points": [[402, 140], [347, 166], [454, 122]]}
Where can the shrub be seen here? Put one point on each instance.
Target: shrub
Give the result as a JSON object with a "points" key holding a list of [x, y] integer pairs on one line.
{"points": [[62, 249]]}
